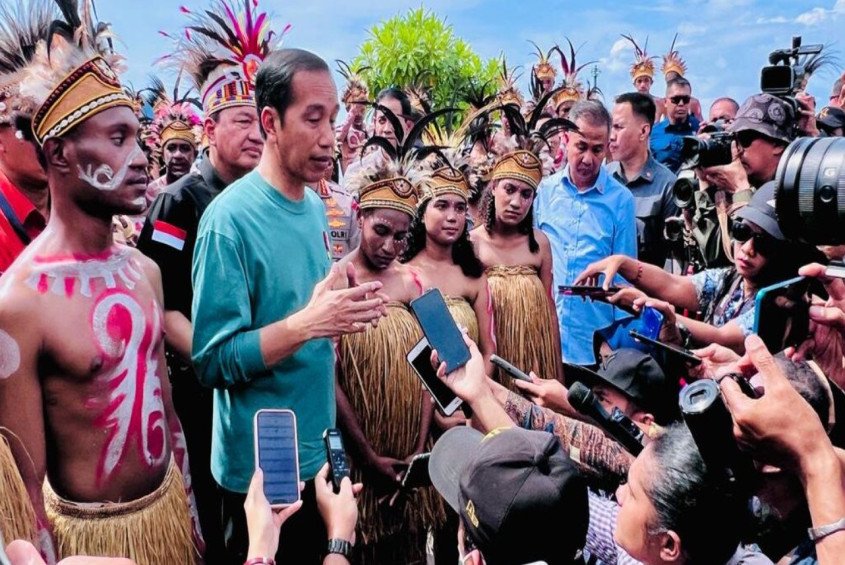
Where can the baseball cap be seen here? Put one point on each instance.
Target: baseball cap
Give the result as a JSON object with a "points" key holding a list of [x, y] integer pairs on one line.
{"points": [[519, 496], [638, 376], [831, 118], [766, 114], [761, 211]]}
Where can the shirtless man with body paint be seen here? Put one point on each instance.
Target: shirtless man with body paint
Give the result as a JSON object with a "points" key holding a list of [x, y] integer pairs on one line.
{"points": [[83, 398]]}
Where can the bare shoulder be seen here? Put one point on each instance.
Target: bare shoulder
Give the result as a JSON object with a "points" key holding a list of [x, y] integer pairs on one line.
{"points": [[542, 239], [19, 304], [479, 233]]}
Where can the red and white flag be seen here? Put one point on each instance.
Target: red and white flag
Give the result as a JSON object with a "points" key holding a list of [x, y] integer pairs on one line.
{"points": [[168, 234]]}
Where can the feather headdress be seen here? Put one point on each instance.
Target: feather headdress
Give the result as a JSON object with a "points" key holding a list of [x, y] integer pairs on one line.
{"points": [[543, 68], [74, 73], [356, 89], [643, 65], [23, 23], [672, 61], [508, 91], [222, 48], [571, 89], [175, 116]]}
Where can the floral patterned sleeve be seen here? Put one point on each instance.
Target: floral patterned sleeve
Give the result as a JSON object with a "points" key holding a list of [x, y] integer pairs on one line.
{"points": [[587, 446], [707, 283]]}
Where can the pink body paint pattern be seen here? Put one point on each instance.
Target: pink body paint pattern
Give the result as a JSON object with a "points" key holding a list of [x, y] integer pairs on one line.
{"points": [[63, 275], [135, 411]]}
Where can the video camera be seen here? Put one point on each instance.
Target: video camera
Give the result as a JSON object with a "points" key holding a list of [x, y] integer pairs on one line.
{"points": [[785, 75]]}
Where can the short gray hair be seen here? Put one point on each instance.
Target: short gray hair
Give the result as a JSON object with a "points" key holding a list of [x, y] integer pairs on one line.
{"points": [[591, 111]]}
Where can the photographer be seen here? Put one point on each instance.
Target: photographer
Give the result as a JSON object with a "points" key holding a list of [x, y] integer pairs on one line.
{"points": [[782, 429], [762, 129], [724, 296]]}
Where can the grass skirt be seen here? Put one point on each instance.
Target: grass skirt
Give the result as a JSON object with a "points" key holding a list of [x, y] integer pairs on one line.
{"points": [[152, 530], [17, 518]]}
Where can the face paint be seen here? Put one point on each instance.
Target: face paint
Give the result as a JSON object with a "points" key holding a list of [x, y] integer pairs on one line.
{"points": [[10, 356], [103, 177], [60, 276], [135, 412]]}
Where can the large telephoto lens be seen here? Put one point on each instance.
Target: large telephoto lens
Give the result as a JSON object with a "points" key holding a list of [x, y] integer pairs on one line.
{"points": [[810, 191]]}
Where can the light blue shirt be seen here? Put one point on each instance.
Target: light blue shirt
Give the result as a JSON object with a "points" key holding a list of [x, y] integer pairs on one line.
{"points": [[583, 227]]}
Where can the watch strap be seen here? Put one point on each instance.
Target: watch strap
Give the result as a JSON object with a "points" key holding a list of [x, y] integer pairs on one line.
{"points": [[339, 546], [823, 531]]}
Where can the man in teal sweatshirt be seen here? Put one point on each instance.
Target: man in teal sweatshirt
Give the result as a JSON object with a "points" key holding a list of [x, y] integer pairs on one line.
{"points": [[265, 306]]}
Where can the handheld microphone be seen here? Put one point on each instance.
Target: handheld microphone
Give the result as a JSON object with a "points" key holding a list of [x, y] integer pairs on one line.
{"points": [[618, 426]]}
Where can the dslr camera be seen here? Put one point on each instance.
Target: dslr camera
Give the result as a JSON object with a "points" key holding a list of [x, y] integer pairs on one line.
{"points": [[710, 152]]}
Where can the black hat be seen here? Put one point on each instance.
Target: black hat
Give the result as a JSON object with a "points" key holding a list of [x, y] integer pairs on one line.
{"points": [[519, 496], [761, 211], [639, 377], [830, 118]]}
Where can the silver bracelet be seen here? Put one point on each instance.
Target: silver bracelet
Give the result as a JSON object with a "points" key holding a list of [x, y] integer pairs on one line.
{"points": [[823, 531]]}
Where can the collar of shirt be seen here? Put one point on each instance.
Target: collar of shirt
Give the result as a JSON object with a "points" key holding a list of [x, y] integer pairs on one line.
{"points": [[28, 215], [598, 184], [689, 127], [212, 179], [646, 174]]}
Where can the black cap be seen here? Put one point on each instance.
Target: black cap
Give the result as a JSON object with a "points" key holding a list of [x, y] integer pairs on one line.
{"points": [[761, 211], [830, 118], [639, 377], [520, 497]]}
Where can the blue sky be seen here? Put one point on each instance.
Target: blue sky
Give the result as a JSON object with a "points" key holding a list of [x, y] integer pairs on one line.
{"points": [[724, 42]]}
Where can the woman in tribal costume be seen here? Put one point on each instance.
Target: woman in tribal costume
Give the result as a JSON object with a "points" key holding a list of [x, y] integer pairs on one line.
{"points": [[382, 406], [518, 263]]}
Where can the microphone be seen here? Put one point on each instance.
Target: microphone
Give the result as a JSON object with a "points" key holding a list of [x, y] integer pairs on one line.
{"points": [[618, 426]]}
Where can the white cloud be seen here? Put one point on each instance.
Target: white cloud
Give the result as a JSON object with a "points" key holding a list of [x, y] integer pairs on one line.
{"points": [[818, 15]]}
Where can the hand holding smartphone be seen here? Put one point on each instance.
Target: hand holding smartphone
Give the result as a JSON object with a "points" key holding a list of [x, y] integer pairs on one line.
{"points": [[782, 313], [440, 329], [420, 359], [277, 455], [683, 354], [509, 369], [417, 474]]}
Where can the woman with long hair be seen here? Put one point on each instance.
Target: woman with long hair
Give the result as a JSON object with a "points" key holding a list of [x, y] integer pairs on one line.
{"points": [[440, 248], [518, 262]]}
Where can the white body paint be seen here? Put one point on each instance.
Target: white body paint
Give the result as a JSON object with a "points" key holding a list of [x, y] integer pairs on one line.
{"points": [[10, 355], [120, 265], [123, 381], [103, 177]]}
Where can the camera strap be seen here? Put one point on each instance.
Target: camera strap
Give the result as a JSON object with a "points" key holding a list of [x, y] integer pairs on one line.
{"points": [[724, 226]]}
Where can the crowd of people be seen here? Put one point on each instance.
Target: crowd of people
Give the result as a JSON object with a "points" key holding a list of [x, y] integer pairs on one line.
{"points": [[171, 264]]}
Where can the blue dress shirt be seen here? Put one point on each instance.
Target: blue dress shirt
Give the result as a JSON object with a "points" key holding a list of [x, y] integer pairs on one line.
{"points": [[583, 227], [667, 140]]}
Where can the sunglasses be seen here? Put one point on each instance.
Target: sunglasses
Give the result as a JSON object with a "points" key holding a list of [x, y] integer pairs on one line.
{"points": [[746, 137], [680, 99], [763, 243]]}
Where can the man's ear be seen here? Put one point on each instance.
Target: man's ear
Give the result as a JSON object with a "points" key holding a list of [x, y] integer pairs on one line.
{"points": [[209, 127], [778, 150], [55, 153], [670, 547], [644, 418], [269, 119]]}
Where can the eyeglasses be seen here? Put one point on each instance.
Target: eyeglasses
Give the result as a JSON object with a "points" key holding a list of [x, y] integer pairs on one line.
{"points": [[746, 137], [680, 99], [763, 242]]}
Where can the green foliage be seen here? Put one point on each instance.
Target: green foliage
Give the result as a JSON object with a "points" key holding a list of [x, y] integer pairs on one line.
{"points": [[420, 48]]}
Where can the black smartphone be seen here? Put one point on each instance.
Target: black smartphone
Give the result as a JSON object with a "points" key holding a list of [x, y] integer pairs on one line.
{"points": [[440, 329], [277, 455], [509, 369], [420, 359], [683, 354], [336, 456], [587, 290], [417, 474], [782, 314]]}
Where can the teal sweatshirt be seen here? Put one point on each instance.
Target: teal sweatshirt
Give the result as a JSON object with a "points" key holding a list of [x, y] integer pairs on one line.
{"points": [[257, 259]]}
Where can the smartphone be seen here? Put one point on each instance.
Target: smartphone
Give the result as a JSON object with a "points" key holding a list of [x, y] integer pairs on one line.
{"points": [[440, 329], [651, 322], [277, 455], [782, 314], [420, 359], [683, 354], [587, 290], [336, 456], [509, 369], [417, 474]]}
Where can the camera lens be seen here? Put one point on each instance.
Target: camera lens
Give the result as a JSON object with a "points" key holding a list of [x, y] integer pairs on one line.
{"points": [[683, 192], [674, 228], [810, 191]]}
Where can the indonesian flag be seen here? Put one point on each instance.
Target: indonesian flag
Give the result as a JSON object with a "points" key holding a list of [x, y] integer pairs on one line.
{"points": [[168, 234]]}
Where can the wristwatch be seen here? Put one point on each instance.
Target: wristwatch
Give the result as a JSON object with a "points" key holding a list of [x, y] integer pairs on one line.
{"points": [[340, 546], [823, 531]]}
